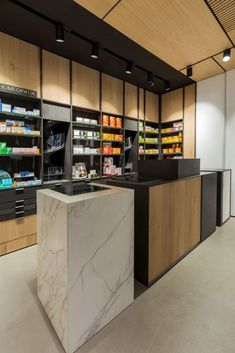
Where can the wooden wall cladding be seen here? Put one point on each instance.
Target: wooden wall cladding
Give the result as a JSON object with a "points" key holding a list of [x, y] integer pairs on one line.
{"points": [[55, 78], [112, 95], [171, 237], [85, 87], [141, 103], [172, 105], [19, 63], [189, 121], [151, 107], [17, 234], [131, 101]]}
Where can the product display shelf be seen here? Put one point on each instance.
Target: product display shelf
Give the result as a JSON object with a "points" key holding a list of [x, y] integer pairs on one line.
{"points": [[115, 141], [19, 135], [85, 139], [145, 146], [14, 133], [18, 116], [54, 150], [86, 125], [170, 131]]}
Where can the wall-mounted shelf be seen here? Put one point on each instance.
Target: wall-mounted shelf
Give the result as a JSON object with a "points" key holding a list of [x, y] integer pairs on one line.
{"points": [[20, 116], [19, 135]]}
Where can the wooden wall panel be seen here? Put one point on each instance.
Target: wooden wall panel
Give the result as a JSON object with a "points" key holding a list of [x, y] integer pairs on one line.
{"points": [[189, 121], [19, 63], [112, 95], [176, 229], [141, 103], [131, 100], [85, 87], [172, 105], [55, 78], [151, 107]]}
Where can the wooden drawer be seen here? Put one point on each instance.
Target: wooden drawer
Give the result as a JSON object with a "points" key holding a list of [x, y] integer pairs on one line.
{"points": [[18, 244], [15, 229]]}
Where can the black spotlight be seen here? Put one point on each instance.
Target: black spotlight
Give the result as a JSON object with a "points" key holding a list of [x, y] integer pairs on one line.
{"points": [[167, 86], [95, 51], [59, 32], [150, 80], [189, 71], [129, 68], [227, 55]]}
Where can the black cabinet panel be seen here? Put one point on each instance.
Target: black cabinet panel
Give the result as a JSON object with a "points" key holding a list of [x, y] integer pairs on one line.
{"points": [[209, 204]]}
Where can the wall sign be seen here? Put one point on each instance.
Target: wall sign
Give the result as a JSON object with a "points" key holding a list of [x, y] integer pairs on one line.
{"points": [[18, 90]]}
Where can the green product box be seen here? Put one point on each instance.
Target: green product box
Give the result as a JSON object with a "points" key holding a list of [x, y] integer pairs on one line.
{"points": [[3, 145]]}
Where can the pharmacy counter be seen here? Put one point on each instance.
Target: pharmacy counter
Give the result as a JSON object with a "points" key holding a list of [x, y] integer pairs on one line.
{"points": [[85, 258]]}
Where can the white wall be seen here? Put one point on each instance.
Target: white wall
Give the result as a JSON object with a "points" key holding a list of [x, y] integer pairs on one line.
{"points": [[230, 130], [210, 122]]}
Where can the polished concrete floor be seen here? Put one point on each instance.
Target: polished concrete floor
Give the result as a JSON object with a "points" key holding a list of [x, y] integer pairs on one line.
{"points": [[190, 310]]}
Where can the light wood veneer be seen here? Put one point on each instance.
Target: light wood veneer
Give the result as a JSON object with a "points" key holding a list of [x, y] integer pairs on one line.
{"points": [[172, 105]]}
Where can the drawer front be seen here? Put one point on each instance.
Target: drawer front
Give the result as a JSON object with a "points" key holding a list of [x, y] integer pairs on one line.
{"points": [[6, 205], [15, 229], [6, 196]]}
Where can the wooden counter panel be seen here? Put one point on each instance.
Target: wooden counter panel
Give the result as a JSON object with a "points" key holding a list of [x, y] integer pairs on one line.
{"points": [[17, 234], [174, 223]]}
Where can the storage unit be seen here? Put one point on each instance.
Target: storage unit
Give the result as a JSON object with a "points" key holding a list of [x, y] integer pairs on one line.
{"points": [[209, 204]]}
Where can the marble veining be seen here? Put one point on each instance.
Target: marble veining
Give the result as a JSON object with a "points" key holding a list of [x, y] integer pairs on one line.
{"points": [[85, 261]]}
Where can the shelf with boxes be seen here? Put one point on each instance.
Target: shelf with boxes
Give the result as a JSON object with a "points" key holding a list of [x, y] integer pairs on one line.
{"points": [[86, 147], [148, 139], [20, 141], [172, 139]]}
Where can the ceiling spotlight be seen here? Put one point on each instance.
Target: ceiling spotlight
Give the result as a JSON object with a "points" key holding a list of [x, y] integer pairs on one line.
{"points": [[150, 79], [189, 71], [59, 32], [95, 51], [227, 55], [129, 68], [167, 86]]}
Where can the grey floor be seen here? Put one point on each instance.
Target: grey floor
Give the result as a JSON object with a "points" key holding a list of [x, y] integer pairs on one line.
{"points": [[190, 310]]}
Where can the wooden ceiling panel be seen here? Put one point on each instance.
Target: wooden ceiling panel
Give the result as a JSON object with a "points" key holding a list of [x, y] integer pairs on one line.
{"points": [[205, 69], [229, 65], [97, 7], [179, 32], [232, 35]]}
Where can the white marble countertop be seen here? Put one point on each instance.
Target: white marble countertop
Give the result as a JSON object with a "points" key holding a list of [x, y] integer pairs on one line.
{"points": [[110, 190]]}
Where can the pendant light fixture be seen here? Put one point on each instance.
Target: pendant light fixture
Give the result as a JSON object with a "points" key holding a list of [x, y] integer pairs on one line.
{"points": [[189, 71], [129, 68], [150, 80], [95, 51], [59, 32], [227, 55]]}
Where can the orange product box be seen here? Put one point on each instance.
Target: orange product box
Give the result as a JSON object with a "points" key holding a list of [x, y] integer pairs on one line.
{"points": [[112, 121], [118, 137], [165, 150], [116, 150], [105, 120], [106, 150], [106, 136], [171, 150], [178, 150], [118, 122]]}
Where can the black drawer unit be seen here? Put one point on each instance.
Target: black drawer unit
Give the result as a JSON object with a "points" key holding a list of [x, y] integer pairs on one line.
{"points": [[17, 203]]}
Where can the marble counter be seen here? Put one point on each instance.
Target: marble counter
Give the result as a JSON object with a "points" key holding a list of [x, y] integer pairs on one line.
{"points": [[85, 260]]}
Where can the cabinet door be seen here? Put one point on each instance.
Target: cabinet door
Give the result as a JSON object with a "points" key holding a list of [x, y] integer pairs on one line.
{"points": [[112, 95], [19, 63], [151, 107], [131, 101], [172, 105], [55, 78], [141, 103], [85, 87], [189, 121]]}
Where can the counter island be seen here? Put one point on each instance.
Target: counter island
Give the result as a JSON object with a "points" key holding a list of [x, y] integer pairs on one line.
{"points": [[85, 258]]}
